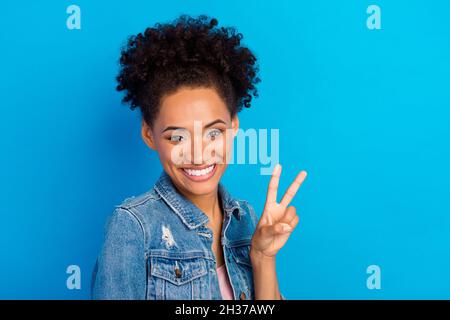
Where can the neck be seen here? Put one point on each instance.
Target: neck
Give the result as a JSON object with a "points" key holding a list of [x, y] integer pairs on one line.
{"points": [[208, 203]]}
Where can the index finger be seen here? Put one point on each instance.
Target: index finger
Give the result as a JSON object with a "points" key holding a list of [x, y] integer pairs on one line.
{"points": [[273, 185]]}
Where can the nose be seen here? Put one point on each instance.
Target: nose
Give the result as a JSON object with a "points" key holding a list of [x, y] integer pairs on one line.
{"points": [[197, 149]]}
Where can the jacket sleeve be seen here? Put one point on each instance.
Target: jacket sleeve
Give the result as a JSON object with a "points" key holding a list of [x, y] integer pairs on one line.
{"points": [[120, 272]]}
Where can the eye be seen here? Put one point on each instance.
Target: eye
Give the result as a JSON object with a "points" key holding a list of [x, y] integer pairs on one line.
{"points": [[214, 133], [176, 138]]}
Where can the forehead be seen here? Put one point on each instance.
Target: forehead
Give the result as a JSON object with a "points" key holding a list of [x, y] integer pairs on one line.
{"points": [[187, 105]]}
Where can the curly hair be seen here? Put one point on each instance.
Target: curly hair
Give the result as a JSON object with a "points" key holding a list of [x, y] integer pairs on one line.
{"points": [[191, 52]]}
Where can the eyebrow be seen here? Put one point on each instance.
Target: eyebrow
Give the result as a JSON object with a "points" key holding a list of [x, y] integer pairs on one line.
{"points": [[206, 126]]}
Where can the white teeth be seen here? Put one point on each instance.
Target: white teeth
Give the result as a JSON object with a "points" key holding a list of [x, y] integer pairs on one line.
{"points": [[197, 173]]}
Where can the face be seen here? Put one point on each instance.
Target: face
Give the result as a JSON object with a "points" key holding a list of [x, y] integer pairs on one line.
{"points": [[193, 134]]}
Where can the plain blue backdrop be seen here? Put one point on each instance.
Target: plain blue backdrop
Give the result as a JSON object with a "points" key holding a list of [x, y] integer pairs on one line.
{"points": [[365, 112]]}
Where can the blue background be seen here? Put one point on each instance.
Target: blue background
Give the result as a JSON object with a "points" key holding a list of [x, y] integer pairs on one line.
{"points": [[365, 112]]}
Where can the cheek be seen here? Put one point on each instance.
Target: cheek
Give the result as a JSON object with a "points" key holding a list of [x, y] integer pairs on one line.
{"points": [[166, 151], [177, 154], [218, 150], [227, 146]]}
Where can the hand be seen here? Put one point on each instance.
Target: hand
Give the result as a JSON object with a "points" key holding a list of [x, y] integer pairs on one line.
{"points": [[278, 220]]}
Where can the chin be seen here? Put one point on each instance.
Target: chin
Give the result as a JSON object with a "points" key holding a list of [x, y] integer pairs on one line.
{"points": [[198, 179]]}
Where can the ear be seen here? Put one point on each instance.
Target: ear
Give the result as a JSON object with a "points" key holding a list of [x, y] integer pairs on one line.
{"points": [[235, 124], [147, 135]]}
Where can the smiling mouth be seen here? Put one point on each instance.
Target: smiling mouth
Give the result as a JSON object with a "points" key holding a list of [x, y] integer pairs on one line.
{"points": [[200, 174]]}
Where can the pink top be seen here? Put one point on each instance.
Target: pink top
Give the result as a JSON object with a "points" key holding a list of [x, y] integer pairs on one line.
{"points": [[224, 283]]}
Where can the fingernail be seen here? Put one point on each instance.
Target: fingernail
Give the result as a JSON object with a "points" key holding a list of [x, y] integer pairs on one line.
{"points": [[286, 228]]}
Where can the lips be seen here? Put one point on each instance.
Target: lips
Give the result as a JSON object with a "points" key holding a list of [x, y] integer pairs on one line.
{"points": [[199, 172], [202, 173]]}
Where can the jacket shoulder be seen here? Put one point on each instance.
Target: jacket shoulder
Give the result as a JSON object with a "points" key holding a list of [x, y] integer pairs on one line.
{"points": [[141, 199], [145, 207]]}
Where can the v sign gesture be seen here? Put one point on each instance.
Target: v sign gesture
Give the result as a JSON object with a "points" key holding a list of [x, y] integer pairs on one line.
{"points": [[278, 219]]}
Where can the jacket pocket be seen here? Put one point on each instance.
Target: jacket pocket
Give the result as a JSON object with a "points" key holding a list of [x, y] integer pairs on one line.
{"points": [[176, 276]]}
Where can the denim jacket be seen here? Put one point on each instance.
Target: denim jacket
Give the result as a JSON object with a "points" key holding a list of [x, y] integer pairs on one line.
{"points": [[157, 246]]}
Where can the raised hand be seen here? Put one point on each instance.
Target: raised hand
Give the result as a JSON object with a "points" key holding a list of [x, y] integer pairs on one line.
{"points": [[278, 219]]}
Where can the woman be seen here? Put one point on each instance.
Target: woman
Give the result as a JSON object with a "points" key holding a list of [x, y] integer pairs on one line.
{"points": [[187, 237]]}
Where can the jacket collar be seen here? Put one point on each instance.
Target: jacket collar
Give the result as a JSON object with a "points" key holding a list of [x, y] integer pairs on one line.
{"points": [[189, 213]]}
